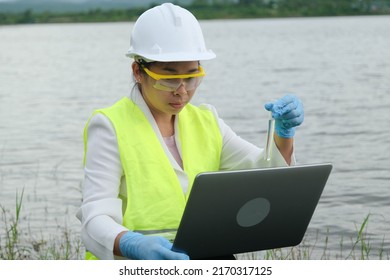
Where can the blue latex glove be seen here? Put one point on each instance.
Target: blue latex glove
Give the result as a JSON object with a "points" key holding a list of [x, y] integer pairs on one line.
{"points": [[288, 113], [141, 247]]}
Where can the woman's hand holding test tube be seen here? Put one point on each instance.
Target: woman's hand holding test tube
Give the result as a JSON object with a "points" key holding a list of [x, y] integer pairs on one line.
{"points": [[288, 113]]}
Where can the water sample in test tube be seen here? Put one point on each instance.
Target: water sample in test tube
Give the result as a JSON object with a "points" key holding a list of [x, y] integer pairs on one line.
{"points": [[270, 137]]}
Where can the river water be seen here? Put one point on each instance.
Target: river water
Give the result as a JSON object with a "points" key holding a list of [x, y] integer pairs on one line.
{"points": [[53, 76]]}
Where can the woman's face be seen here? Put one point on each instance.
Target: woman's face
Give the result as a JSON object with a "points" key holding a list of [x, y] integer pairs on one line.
{"points": [[162, 101]]}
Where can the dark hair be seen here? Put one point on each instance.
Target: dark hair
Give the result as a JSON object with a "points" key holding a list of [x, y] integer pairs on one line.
{"points": [[142, 63]]}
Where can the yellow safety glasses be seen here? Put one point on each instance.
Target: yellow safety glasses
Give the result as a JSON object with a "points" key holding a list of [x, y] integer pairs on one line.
{"points": [[173, 82]]}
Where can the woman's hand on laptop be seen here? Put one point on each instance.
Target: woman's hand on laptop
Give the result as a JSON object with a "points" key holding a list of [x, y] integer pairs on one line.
{"points": [[137, 246]]}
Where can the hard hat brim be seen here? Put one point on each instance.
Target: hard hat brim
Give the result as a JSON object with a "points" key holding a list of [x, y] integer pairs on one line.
{"points": [[170, 57]]}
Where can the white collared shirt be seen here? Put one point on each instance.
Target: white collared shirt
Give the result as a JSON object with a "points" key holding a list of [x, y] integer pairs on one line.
{"points": [[101, 211]]}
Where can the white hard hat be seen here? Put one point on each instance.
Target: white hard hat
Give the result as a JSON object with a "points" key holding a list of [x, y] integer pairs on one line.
{"points": [[168, 33]]}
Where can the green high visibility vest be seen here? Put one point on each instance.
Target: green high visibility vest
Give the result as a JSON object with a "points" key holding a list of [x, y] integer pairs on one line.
{"points": [[155, 199]]}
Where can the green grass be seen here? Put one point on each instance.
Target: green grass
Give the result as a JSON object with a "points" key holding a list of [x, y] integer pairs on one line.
{"points": [[10, 250], [14, 246], [358, 248]]}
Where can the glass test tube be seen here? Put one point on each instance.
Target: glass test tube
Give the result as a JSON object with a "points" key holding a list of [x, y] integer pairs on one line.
{"points": [[270, 137]]}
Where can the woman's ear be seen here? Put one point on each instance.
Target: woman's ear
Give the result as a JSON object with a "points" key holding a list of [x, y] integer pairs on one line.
{"points": [[136, 72]]}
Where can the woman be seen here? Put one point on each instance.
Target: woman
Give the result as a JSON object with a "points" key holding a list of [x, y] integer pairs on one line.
{"points": [[142, 153]]}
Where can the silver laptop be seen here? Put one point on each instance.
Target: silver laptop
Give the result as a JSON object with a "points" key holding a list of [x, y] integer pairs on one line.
{"points": [[233, 212]]}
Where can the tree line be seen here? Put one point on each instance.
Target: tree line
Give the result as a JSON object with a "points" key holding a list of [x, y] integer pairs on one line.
{"points": [[216, 9]]}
